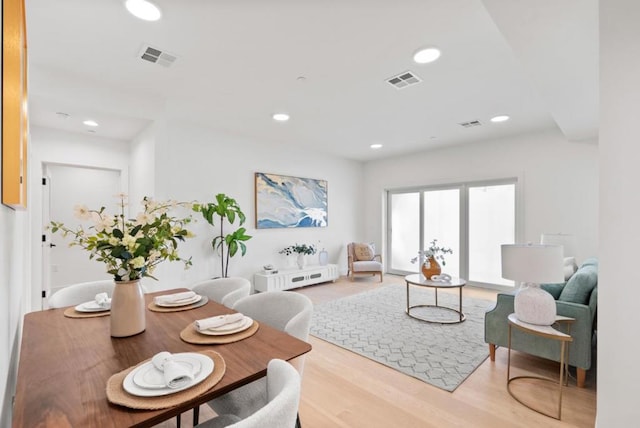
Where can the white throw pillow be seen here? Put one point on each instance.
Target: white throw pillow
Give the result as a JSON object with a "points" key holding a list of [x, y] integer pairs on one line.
{"points": [[570, 267], [364, 252]]}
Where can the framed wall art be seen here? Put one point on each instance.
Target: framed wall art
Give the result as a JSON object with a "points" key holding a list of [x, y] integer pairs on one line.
{"points": [[14, 105], [286, 202]]}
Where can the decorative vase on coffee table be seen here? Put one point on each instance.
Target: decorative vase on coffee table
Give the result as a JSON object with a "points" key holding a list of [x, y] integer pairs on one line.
{"points": [[300, 261], [430, 267], [127, 309]]}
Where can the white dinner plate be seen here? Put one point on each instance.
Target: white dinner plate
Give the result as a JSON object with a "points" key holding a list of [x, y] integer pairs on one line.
{"points": [[149, 377], [235, 327], [130, 386], [91, 306], [185, 302]]}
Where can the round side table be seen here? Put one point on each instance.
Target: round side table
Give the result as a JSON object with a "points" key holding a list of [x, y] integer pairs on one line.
{"points": [[550, 333]]}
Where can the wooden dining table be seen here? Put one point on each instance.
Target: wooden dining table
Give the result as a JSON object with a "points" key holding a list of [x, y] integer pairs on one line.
{"points": [[65, 364]]}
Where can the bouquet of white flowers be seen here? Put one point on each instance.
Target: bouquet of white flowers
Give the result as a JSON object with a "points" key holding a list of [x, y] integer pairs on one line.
{"points": [[131, 248]]}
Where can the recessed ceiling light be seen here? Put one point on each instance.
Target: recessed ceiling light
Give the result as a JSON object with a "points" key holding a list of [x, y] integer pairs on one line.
{"points": [[500, 118], [90, 122], [143, 9], [376, 146], [281, 117], [426, 55]]}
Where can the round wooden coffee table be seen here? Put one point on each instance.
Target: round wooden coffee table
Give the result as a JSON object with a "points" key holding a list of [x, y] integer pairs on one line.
{"points": [[417, 279]]}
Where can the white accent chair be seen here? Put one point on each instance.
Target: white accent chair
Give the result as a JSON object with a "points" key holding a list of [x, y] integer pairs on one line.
{"points": [[226, 291], [370, 265], [287, 311], [280, 409], [79, 293]]}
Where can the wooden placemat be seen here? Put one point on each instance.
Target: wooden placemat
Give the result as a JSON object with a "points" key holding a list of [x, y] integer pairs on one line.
{"points": [[72, 313], [117, 395], [155, 308], [191, 335]]}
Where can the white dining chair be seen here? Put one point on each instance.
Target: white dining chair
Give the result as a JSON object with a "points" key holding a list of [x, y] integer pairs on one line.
{"points": [[79, 293], [281, 399], [286, 311], [226, 291]]}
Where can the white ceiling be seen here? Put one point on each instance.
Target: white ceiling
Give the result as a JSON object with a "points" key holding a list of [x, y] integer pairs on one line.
{"points": [[240, 61]]}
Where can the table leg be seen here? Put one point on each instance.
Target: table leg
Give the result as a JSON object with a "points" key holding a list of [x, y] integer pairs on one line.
{"points": [[436, 296], [509, 356], [561, 380], [407, 297], [460, 303]]}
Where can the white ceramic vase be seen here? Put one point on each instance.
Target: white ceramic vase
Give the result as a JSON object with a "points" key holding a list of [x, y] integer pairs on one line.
{"points": [[300, 261], [323, 258], [127, 309], [533, 305]]}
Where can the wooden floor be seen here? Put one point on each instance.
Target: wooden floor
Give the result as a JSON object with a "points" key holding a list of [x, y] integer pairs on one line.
{"points": [[343, 389]]}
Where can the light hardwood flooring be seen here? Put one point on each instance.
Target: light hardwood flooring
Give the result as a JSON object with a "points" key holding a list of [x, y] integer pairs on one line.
{"points": [[342, 389]]}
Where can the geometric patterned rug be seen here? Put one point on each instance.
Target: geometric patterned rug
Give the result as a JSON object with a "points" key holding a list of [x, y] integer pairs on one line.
{"points": [[374, 324]]}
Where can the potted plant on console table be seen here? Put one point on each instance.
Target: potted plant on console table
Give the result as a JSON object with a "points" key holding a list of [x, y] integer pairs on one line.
{"points": [[301, 250]]}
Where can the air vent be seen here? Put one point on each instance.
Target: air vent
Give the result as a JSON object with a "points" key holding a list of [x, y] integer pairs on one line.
{"points": [[470, 124], [404, 80], [157, 56]]}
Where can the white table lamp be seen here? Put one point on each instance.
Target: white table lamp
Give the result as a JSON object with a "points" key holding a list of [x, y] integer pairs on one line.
{"points": [[567, 241], [533, 264]]}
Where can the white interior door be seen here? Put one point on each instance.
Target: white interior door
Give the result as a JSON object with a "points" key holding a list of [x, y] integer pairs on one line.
{"points": [[46, 241], [70, 186]]}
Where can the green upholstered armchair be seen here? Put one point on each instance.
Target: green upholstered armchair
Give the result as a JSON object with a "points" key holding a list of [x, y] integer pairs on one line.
{"points": [[577, 298]]}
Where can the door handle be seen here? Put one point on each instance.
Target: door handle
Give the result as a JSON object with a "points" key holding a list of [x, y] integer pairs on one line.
{"points": [[51, 245]]}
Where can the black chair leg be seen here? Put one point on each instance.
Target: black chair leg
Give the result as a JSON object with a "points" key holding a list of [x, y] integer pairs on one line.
{"points": [[298, 424], [178, 420], [196, 415]]}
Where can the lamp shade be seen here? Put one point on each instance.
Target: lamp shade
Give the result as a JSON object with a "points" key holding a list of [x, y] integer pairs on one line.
{"points": [[532, 263]]}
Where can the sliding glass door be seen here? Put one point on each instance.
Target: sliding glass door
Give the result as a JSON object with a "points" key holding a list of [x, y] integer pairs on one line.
{"points": [[492, 221], [472, 219], [441, 222], [405, 223]]}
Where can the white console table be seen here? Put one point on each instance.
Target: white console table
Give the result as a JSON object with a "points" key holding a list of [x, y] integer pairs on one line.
{"points": [[294, 278]]}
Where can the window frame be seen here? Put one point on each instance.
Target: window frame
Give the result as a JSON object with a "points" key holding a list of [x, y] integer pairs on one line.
{"points": [[463, 187]]}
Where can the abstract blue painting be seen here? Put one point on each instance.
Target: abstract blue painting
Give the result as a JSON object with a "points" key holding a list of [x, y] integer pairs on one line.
{"points": [[283, 201]]}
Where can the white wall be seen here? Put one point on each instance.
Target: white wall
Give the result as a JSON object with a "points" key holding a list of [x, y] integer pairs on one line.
{"points": [[559, 182], [194, 163], [619, 291], [13, 282], [65, 148], [142, 165]]}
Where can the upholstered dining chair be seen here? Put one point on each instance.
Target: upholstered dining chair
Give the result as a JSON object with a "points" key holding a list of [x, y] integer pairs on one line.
{"points": [[226, 291], [286, 311], [362, 259], [79, 293], [281, 398]]}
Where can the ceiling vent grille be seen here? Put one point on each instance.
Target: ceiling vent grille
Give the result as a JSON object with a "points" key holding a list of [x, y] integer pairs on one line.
{"points": [[157, 56], [470, 124], [404, 80]]}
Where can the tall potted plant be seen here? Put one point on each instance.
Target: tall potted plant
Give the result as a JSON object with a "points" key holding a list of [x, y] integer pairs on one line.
{"points": [[225, 208]]}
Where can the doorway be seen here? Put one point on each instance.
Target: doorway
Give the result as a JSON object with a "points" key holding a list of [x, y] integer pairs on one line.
{"points": [[64, 187]]}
